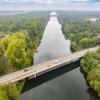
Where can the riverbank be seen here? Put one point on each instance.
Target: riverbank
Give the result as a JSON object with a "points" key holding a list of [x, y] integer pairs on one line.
{"points": [[86, 74], [91, 69], [67, 37], [90, 61]]}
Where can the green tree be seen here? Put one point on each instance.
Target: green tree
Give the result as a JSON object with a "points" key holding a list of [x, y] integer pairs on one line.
{"points": [[12, 91], [89, 61], [16, 54], [3, 95]]}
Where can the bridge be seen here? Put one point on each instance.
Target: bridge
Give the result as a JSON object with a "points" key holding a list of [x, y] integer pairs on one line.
{"points": [[42, 68]]}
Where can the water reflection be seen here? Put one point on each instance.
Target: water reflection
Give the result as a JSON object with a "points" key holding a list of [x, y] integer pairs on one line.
{"points": [[66, 83], [53, 43]]}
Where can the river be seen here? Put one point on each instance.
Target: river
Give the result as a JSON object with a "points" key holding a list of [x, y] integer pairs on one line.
{"points": [[66, 83]]}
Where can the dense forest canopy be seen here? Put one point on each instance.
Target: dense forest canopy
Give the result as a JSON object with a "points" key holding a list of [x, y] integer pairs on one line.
{"points": [[19, 37], [82, 32], [23, 32]]}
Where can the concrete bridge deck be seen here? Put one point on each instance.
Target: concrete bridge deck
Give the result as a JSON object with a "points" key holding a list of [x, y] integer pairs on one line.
{"points": [[42, 68]]}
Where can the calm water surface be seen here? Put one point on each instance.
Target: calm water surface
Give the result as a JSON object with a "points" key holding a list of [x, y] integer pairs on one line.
{"points": [[66, 83]]}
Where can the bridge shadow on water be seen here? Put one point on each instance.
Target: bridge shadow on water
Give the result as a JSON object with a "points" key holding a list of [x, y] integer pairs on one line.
{"points": [[32, 83]]}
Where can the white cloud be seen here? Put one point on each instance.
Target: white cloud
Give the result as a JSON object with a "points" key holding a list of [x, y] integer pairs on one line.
{"points": [[51, 1], [45, 1], [51, 5]]}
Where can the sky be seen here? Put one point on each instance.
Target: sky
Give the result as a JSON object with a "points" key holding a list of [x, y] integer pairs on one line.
{"points": [[51, 1], [49, 4]]}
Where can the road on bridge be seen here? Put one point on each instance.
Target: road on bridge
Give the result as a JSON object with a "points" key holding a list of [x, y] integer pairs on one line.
{"points": [[42, 68]]}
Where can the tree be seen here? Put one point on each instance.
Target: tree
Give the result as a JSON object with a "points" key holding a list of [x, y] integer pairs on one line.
{"points": [[89, 61], [16, 54], [3, 95], [94, 79], [12, 91]]}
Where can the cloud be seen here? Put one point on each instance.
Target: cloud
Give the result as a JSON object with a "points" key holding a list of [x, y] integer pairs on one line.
{"points": [[50, 4], [50, 1]]}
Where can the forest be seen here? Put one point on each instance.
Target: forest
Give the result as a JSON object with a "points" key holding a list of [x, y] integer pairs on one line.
{"points": [[20, 35], [85, 34], [82, 32]]}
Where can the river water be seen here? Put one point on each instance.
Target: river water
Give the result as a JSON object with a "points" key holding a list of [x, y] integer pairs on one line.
{"points": [[66, 83]]}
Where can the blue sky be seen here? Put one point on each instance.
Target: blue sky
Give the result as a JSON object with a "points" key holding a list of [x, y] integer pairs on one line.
{"points": [[50, 5]]}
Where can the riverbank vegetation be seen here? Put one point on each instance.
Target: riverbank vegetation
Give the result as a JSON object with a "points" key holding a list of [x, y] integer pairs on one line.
{"points": [[83, 34], [20, 36], [91, 66]]}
